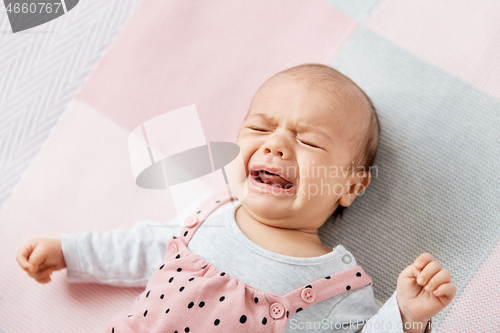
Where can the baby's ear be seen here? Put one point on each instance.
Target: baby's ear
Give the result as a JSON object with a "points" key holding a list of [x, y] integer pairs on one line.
{"points": [[356, 184]]}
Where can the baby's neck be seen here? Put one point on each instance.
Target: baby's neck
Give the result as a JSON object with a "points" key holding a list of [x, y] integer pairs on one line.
{"points": [[303, 243]]}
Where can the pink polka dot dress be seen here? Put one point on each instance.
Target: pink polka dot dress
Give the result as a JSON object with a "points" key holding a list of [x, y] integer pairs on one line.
{"points": [[188, 294]]}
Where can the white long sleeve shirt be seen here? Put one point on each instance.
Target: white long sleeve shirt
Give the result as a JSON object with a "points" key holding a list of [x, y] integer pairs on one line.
{"points": [[128, 257]]}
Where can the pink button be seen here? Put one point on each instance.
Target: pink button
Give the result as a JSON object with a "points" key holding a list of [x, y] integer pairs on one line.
{"points": [[190, 221], [276, 310], [173, 248], [308, 295]]}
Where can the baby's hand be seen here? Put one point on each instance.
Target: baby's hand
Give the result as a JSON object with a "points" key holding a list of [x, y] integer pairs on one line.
{"points": [[417, 303], [40, 257]]}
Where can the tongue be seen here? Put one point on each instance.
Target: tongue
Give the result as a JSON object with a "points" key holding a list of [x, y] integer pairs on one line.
{"points": [[275, 180]]}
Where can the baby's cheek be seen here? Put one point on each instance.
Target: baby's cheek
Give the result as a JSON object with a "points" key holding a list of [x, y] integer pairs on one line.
{"points": [[329, 185], [251, 151]]}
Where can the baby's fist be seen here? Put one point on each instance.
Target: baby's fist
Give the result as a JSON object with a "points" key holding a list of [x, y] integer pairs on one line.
{"points": [[39, 257], [424, 289]]}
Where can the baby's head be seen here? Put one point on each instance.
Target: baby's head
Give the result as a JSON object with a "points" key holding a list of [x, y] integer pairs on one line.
{"points": [[319, 131]]}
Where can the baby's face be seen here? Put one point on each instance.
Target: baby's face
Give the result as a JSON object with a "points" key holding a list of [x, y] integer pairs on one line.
{"points": [[293, 131]]}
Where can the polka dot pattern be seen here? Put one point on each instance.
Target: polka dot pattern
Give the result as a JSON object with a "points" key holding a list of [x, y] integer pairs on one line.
{"points": [[202, 297], [187, 274]]}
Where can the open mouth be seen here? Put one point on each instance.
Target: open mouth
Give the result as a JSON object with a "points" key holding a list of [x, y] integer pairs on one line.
{"points": [[271, 179]]}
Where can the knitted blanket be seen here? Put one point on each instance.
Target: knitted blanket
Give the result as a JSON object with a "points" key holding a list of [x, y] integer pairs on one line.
{"points": [[73, 89]]}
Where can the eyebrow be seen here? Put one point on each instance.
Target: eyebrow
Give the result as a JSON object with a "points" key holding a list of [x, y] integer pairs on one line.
{"points": [[300, 127]]}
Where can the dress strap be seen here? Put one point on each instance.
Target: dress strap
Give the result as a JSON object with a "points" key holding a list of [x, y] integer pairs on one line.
{"points": [[329, 286], [200, 214]]}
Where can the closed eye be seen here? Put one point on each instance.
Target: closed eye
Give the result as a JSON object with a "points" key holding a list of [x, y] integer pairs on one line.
{"points": [[310, 144], [303, 142], [258, 129]]}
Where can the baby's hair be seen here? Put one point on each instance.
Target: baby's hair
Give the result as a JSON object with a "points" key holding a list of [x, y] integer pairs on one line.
{"points": [[342, 91]]}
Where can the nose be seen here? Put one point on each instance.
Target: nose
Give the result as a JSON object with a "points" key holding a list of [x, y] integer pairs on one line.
{"points": [[278, 145]]}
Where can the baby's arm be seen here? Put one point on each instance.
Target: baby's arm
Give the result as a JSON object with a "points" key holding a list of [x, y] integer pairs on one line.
{"points": [[121, 257], [410, 309], [358, 312]]}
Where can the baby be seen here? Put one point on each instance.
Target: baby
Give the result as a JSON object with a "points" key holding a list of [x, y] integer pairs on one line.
{"points": [[264, 268]]}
